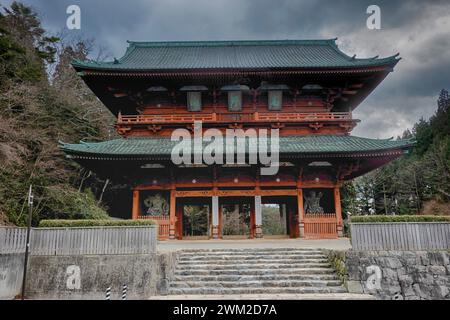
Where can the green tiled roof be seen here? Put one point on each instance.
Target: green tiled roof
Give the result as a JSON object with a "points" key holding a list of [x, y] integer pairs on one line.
{"points": [[288, 145], [160, 56]]}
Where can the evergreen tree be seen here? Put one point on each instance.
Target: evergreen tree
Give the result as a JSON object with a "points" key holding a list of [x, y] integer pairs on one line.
{"points": [[407, 184]]}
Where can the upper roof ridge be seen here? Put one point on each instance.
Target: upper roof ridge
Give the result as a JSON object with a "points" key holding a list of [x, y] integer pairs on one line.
{"points": [[221, 43]]}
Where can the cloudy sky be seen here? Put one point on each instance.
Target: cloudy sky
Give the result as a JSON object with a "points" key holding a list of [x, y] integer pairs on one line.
{"points": [[418, 30]]}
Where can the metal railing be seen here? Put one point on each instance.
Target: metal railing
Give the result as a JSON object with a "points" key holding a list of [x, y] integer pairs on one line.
{"points": [[77, 241], [12, 239], [400, 236]]}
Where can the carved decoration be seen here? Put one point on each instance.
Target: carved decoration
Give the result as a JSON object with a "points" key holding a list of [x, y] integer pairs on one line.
{"points": [[196, 193]]}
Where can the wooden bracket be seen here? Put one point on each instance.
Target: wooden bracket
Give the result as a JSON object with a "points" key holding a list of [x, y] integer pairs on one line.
{"points": [[123, 130], [277, 125], [235, 125], [154, 128], [316, 126]]}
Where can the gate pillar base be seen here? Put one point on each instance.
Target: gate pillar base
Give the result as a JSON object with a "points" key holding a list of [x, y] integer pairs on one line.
{"points": [[172, 233], [215, 232], [301, 228], [340, 232], [258, 232]]}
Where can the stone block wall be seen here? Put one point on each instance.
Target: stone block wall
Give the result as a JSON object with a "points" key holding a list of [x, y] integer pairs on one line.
{"points": [[409, 275]]}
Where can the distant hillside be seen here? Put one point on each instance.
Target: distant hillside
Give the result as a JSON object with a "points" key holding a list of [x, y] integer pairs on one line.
{"points": [[35, 114]]}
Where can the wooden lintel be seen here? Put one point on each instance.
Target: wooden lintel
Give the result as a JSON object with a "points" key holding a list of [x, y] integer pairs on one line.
{"points": [[321, 184], [194, 193], [235, 193]]}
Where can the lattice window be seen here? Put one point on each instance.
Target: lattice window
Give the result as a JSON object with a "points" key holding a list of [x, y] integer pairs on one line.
{"points": [[275, 99], [194, 101], [234, 100]]}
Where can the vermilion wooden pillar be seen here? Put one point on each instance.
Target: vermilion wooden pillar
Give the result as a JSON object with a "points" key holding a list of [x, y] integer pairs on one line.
{"points": [[179, 220], [135, 208], [252, 226], [301, 213], [172, 213], [292, 219], [338, 209]]}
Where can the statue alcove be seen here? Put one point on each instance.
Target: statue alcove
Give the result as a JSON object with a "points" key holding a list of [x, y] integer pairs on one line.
{"points": [[318, 200]]}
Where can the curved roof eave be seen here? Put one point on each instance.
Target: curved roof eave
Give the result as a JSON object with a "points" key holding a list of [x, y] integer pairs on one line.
{"points": [[166, 56]]}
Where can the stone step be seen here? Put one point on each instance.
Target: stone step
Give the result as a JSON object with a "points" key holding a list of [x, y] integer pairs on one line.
{"points": [[251, 257], [262, 296], [248, 253], [231, 272], [249, 290], [255, 284], [254, 271], [227, 277], [250, 266], [281, 249], [261, 262], [284, 277]]}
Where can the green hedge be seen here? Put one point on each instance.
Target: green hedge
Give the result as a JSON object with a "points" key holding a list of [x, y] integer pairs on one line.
{"points": [[400, 218], [57, 223]]}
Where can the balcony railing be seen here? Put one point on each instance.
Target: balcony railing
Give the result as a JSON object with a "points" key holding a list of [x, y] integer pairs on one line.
{"points": [[234, 117]]}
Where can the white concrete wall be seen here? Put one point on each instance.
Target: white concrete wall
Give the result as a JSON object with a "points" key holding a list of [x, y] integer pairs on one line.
{"points": [[11, 271]]}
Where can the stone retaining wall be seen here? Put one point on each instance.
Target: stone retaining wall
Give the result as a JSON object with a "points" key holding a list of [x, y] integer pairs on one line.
{"points": [[409, 275], [11, 272], [87, 276]]}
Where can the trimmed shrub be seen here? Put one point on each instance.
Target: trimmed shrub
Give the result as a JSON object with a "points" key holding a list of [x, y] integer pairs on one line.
{"points": [[337, 261], [400, 218], [58, 223]]}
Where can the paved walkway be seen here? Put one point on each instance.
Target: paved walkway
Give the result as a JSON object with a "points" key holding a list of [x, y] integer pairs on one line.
{"points": [[323, 296], [335, 244]]}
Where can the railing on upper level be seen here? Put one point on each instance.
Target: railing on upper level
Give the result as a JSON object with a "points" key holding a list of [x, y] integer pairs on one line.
{"points": [[234, 117]]}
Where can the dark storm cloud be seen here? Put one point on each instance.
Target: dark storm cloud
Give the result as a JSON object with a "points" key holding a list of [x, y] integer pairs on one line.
{"points": [[419, 30]]}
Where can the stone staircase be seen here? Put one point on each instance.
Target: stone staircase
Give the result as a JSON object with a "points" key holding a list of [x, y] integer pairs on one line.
{"points": [[254, 271]]}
